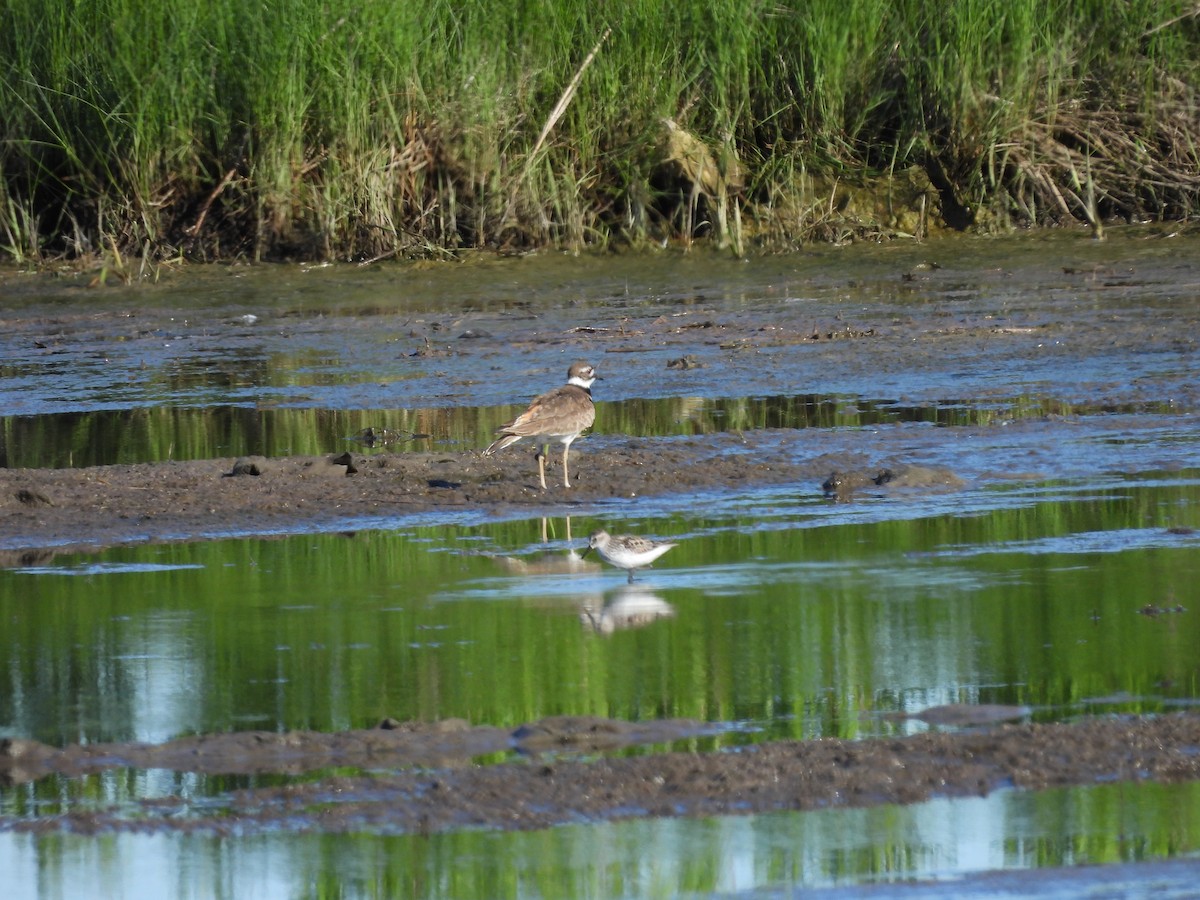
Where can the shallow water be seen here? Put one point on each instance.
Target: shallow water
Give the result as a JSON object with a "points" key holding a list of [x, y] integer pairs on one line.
{"points": [[797, 618], [1061, 579], [947, 844]]}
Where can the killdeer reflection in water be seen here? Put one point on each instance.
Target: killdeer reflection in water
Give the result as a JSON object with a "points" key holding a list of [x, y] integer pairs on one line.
{"points": [[626, 551], [552, 562], [558, 415]]}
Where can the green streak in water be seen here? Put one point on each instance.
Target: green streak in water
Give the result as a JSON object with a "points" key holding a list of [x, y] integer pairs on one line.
{"points": [[802, 622]]}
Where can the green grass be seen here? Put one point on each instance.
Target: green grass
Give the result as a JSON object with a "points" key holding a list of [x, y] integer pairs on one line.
{"points": [[331, 129]]}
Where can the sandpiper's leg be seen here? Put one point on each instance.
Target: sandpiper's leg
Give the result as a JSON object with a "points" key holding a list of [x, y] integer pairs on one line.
{"points": [[631, 576]]}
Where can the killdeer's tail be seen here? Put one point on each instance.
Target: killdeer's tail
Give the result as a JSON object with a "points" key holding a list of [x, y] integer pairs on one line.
{"points": [[501, 442]]}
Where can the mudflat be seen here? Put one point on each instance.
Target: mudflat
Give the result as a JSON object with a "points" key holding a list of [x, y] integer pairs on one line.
{"points": [[43, 511], [421, 776]]}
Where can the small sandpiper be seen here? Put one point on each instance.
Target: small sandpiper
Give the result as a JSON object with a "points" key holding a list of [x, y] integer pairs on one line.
{"points": [[626, 551], [558, 415]]}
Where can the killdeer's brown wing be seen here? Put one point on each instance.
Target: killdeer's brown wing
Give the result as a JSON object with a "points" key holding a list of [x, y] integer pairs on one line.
{"points": [[565, 410]]}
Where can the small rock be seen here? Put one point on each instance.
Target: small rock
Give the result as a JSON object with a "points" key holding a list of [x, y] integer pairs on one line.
{"points": [[345, 460], [331, 467], [245, 467]]}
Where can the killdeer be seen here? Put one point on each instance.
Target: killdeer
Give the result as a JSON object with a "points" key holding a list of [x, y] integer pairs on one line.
{"points": [[558, 415], [626, 551], [552, 562]]}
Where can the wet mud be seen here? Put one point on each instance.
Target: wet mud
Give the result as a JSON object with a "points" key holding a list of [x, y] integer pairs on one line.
{"points": [[43, 511], [440, 789]]}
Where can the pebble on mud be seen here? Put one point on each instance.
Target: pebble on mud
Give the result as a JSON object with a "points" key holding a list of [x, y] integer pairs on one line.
{"points": [[842, 486], [248, 466]]}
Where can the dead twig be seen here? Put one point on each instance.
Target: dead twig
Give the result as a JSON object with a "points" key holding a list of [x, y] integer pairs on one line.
{"points": [[194, 229], [1190, 14], [560, 108]]}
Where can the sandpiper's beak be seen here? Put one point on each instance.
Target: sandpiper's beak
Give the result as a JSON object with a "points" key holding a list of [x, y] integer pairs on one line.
{"points": [[586, 551]]}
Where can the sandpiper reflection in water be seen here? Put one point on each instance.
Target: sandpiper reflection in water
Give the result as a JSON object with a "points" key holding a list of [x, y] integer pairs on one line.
{"points": [[629, 606]]}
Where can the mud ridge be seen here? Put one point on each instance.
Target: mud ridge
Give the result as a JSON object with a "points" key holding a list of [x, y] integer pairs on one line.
{"points": [[548, 788], [43, 510]]}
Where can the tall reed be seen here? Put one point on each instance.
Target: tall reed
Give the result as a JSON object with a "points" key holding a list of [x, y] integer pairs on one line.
{"points": [[356, 130]]}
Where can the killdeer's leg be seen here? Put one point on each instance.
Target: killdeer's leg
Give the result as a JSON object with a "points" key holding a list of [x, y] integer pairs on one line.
{"points": [[566, 480], [540, 454]]}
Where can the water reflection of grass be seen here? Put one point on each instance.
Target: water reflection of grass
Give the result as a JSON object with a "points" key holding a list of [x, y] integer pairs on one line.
{"points": [[797, 632], [163, 433]]}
